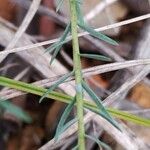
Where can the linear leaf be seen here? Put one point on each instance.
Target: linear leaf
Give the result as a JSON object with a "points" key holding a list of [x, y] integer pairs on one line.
{"points": [[54, 86], [129, 117], [64, 117], [51, 48], [99, 104], [62, 39], [33, 89], [66, 126], [97, 57], [15, 110], [100, 143], [98, 35], [79, 13]]}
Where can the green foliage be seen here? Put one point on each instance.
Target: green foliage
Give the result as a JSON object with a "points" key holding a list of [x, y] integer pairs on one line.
{"points": [[64, 117], [65, 127], [54, 86], [100, 143], [102, 111], [96, 57], [14, 110], [97, 34], [57, 46]]}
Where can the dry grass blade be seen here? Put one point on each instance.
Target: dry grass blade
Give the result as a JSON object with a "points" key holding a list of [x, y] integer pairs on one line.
{"points": [[19, 76], [86, 73], [122, 91], [29, 16], [98, 8], [14, 50], [128, 143]]}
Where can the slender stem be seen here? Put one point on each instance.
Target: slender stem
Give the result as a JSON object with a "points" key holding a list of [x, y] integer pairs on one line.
{"points": [[78, 75]]}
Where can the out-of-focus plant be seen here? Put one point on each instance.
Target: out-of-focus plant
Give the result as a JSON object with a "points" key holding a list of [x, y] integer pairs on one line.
{"points": [[6, 106]]}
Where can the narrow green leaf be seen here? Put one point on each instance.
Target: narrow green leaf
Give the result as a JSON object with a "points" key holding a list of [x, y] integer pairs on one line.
{"points": [[59, 4], [16, 111], [65, 127], [75, 148], [62, 39], [97, 57], [129, 117], [51, 48], [68, 124], [99, 104], [79, 13], [100, 143], [33, 89], [54, 86], [97, 34], [64, 117]]}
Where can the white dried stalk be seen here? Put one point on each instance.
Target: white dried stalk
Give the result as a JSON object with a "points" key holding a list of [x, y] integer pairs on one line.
{"points": [[86, 73], [119, 24], [28, 18]]}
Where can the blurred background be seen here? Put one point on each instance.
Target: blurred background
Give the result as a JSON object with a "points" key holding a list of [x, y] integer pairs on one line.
{"points": [[33, 65]]}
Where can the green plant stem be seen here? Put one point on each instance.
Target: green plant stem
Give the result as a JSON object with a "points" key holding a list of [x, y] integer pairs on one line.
{"points": [[33, 89], [78, 75]]}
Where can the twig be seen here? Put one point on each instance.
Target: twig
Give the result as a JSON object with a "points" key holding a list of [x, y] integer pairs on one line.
{"points": [[30, 14]]}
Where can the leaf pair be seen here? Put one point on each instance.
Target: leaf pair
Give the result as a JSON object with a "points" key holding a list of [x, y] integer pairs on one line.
{"points": [[16, 111], [96, 140], [103, 112], [54, 86], [57, 46], [100, 143]]}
